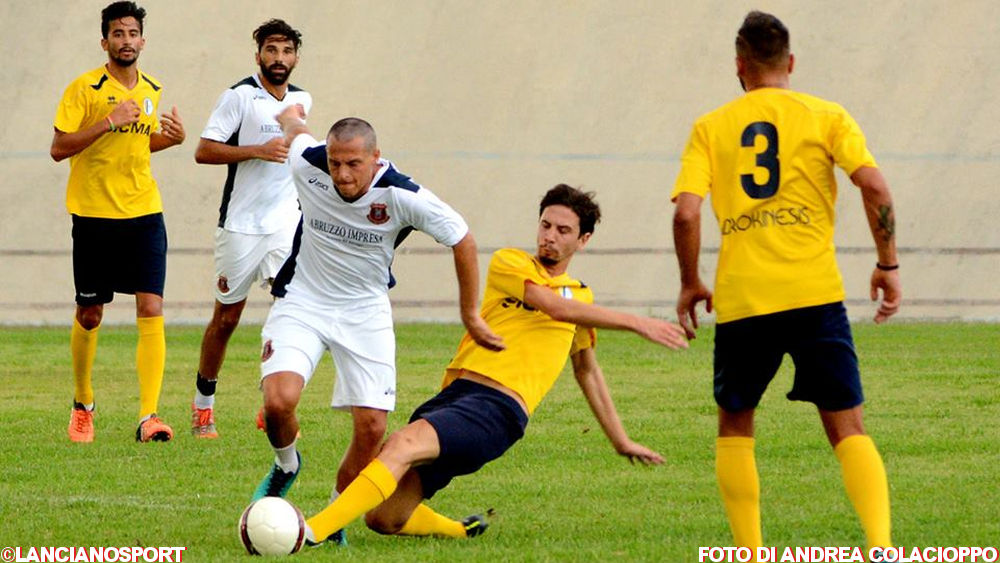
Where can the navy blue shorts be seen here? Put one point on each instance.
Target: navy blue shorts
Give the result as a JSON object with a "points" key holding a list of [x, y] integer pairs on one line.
{"points": [[475, 424], [749, 351], [118, 255]]}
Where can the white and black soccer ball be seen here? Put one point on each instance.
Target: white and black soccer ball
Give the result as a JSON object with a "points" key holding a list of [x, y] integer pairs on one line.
{"points": [[272, 526]]}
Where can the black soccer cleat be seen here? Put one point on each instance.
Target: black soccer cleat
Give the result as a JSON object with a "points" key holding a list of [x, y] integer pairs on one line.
{"points": [[476, 524]]}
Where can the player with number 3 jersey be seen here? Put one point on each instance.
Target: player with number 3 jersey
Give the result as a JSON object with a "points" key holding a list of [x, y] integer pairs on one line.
{"points": [[767, 159]]}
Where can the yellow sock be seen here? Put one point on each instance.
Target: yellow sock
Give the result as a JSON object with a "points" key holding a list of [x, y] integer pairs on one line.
{"points": [[867, 486], [739, 485], [83, 349], [425, 522], [150, 357], [371, 487]]}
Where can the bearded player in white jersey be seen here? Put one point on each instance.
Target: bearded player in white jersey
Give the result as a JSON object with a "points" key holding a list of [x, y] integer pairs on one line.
{"points": [[356, 208], [259, 209]]}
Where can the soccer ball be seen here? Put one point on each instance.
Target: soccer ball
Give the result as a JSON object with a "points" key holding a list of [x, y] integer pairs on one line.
{"points": [[272, 526]]}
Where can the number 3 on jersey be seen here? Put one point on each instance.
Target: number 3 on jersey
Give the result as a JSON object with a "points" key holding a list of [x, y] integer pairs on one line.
{"points": [[766, 159]]}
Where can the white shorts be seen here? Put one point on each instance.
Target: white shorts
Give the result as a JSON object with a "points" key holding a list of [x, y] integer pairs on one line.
{"points": [[242, 259], [360, 338]]}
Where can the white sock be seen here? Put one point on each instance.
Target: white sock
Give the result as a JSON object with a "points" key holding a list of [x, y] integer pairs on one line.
{"points": [[203, 401], [286, 458]]}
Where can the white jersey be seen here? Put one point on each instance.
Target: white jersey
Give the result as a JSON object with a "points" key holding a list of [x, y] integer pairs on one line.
{"points": [[258, 197], [344, 249]]}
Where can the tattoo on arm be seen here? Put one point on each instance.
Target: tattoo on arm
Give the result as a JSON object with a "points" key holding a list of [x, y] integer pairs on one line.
{"points": [[886, 222]]}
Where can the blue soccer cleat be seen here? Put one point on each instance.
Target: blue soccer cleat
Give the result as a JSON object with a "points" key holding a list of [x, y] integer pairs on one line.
{"points": [[277, 482]]}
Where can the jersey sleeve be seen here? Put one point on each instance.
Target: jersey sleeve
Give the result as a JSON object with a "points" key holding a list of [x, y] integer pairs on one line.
{"points": [[298, 146], [585, 337], [848, 145], [508, 271], [429, 214], [225, 119], [72, 109], [695, 175]]}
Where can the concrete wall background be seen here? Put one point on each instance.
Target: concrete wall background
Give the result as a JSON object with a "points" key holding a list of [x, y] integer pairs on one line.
{"points": [[490, 103]]}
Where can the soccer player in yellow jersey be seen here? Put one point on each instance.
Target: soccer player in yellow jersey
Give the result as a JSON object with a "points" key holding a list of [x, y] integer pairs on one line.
{"points": [[106, 125], [767, 159], [543, 316]]}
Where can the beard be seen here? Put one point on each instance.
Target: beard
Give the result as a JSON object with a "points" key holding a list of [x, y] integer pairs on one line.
{"points": [[125, 62], [546, 261], [276, 74]]}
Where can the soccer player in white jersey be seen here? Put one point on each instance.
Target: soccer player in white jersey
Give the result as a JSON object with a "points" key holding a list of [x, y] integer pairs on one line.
{"points": [[259, 209], [356, 208]]}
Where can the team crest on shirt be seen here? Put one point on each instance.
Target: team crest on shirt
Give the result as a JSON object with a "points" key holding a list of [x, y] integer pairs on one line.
{"points": [[378, 213], [147, 106], [566, 292]]}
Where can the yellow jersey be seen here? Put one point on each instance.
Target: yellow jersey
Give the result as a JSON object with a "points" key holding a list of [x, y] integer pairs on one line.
{"points": [[767, 159], [537, 345], [111, 178]]}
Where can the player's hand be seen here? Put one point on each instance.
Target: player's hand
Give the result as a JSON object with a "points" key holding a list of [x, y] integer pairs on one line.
{"points": [[125, 113], [686, 303], [275, 150], [892, 293], [172, 127], [483, 335], [291, 114], [291, 121], [637, 452], [662, 332]]}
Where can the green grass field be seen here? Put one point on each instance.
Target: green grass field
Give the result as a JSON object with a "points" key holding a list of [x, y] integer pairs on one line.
{"points": [[560, 495]]}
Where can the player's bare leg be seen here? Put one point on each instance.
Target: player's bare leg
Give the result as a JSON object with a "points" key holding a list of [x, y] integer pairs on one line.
{"points": [[366, 441], [225, 319], [282, 391]]}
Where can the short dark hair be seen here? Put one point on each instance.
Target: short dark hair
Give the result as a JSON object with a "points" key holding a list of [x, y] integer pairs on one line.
{"points": [[119, 10], [763, 39], [276, 27], [582, 203], [351, 127]]}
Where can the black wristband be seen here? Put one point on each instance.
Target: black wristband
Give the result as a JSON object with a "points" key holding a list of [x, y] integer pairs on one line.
{"points": [[885, 268]]}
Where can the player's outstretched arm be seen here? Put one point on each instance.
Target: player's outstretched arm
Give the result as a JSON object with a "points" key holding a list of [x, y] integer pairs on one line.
{"points": [[467, 272], [171, 132], [882, 222], [576, 312], [687, 244], [591, 380]]}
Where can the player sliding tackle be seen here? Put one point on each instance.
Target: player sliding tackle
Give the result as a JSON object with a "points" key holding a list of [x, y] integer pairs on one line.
{"points": [[543, 315]]}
